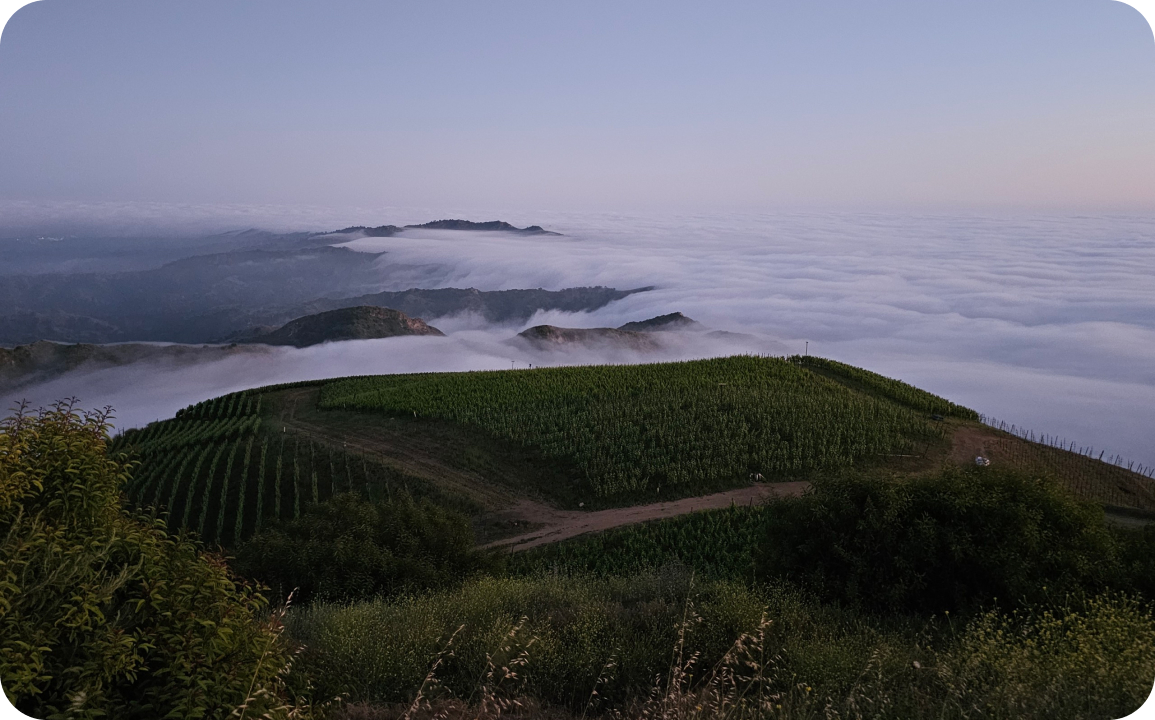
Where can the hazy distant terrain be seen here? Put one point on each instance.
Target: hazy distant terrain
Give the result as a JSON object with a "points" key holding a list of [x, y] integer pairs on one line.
{"points": [[264, 279]]}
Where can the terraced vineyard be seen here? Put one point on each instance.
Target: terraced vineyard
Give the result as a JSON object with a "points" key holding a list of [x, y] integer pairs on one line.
{"points": [[217, 469], [689, 427]]}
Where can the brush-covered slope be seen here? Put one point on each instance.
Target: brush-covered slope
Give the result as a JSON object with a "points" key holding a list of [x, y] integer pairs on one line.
{"points": [[365, 322], [551, 337]]}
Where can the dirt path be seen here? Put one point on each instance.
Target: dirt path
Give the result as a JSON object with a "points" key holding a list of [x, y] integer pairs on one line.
{"points": [[969, 442], [562, 524], [549, 523], [407, 456]]}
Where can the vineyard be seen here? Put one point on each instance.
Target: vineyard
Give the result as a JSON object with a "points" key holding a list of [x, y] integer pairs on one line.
{"points": [[217, 469], [682, 428], [1088, 475], [876, 384], [714, 543]]}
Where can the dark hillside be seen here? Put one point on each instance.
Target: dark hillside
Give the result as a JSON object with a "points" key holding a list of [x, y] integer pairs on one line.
{"points": [[355, 323], [550, 337], [671, 321], [491, 226], [497, 306]]}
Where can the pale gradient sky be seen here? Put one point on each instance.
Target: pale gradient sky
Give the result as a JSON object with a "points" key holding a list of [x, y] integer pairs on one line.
{"points": [[980, 104]]}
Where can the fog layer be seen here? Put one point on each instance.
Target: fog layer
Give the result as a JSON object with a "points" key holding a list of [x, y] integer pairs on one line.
{"points": [[1047, 322]]}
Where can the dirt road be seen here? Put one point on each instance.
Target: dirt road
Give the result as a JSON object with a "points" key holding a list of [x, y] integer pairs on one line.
{"points": [[550, 523], [562, 524]]}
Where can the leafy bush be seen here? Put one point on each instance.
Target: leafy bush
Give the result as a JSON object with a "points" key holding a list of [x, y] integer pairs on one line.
{"points": [[1136, 573], [1095, 659], [103, 613], [380, 651], [349, 548], [563, 637], [952, 542]]}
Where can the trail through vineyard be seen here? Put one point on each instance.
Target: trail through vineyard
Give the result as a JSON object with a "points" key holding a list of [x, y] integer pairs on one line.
{"points": [[547, 524], [565, 525], [523, 518]]}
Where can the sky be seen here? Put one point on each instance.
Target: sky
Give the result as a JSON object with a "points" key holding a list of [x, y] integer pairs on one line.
{"points": [[986, 105]]}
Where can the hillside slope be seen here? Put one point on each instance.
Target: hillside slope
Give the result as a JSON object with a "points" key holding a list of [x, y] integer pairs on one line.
{"points": [[366, 322], [523, 449]]}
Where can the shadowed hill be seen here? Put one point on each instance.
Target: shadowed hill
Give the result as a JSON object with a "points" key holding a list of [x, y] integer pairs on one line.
{"points": [[496, 306], [551, 337], [42, 361], [354, 323], [671, 321], [491, 226]]}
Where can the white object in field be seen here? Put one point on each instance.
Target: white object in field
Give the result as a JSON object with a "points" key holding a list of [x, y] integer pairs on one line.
{"points": [[982, 461]]}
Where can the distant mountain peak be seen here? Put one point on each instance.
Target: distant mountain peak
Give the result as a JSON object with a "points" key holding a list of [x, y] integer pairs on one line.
{"points": [[670, 321], [363, 322], [490, 226], [551, 337], [379, 231]]}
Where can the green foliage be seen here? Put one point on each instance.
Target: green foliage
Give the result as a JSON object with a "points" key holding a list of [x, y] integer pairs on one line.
{"points": [[348, 548], [1136, 559], [658, 635], [103, 613], [677, 428], [1095, 659], [716, 544], [951, 542], [380, 651]]}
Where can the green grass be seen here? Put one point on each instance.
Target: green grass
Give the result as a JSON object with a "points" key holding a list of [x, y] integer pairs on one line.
{"points": [[563, 637], [645, 431]]}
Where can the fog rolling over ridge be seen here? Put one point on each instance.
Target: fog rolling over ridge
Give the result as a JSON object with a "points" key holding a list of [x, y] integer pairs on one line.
{"points": [[1044, 321]]}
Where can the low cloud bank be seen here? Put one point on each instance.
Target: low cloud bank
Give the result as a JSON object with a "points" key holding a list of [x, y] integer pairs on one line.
{"points": [[147, 391], [1047, 322]]}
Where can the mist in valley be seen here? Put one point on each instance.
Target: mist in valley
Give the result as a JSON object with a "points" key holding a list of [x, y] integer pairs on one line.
{"points": [[1045, 322]]}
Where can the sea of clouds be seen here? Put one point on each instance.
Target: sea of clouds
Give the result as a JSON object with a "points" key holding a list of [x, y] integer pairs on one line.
{"points": [[1047, 322]]}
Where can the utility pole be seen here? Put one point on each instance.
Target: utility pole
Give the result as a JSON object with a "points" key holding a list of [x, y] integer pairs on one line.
{"points": [[807, 352]]}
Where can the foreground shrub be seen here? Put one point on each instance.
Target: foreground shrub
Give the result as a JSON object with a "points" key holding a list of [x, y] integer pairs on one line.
{"points": [[1094, 659], [952, 542], [103, 613], [380, 651], [349, 548], [654, 647]]}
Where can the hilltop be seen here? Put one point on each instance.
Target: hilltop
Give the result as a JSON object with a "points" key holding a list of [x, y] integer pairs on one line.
{"points": [[363, 231], [671, 321], [551, 337], [365, 322], [40, 361], [490, 226]]}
